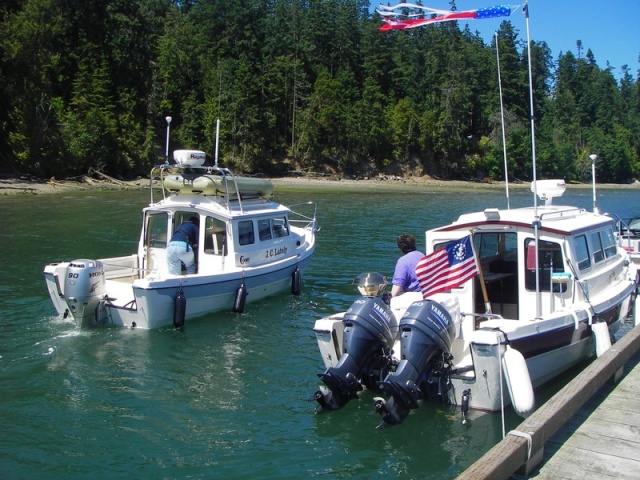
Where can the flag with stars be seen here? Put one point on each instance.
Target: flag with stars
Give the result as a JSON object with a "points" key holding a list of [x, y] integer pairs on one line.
{"points": [[405, 18], [447, 268]]}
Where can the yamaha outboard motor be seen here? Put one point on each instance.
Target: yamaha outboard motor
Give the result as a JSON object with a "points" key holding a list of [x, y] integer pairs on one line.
{"points": [[426, 331], [84, 288], [367, 343]]}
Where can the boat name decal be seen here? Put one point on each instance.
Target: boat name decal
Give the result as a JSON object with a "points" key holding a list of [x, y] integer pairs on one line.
{"points": [[274, 252]]}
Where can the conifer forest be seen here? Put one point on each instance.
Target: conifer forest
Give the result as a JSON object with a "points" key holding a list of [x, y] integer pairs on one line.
{"points": [[301, 85]]}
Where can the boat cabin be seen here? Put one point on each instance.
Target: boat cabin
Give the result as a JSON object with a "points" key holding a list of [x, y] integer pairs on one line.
{"points": [[228, 238], [574, 255]]}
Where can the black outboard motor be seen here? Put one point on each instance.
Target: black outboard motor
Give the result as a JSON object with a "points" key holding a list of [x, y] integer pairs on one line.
{"points": [[367, 343], [426, 331]]}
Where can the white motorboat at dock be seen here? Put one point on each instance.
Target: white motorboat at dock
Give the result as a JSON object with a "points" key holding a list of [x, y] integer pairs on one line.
{"points": [[249, 247], [551, 287]]}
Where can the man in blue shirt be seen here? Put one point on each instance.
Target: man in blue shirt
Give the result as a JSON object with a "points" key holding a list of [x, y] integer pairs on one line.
{"points": [[404, 276], [181, 246]]}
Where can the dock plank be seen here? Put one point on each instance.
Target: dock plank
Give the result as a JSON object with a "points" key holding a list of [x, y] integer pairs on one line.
{"points": [[573, 463], [602, 440], [589, 430]]}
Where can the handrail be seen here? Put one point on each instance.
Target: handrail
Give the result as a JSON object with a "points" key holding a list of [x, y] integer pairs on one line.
{"points": [[225, 173]]}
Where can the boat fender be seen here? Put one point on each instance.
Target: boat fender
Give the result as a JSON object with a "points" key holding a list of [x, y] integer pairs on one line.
{"points": [[464, 405], [241, 299], [601, 336], [296, 278], [518, 382], [179, 309]]}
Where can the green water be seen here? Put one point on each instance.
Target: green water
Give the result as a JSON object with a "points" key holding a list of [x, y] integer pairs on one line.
{"points": [[227, 396]]}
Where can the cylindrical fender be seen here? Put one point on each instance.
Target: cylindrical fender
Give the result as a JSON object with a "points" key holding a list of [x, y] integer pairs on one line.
{"points": [[241, 298], [179, 310], [296, 280], [601, 336], [518, 382]]}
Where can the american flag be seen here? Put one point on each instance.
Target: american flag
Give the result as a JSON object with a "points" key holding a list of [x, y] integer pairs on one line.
{"points": [[392, 22], [447, 268]]}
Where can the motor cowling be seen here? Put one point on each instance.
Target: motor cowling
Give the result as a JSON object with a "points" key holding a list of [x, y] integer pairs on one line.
{"points": [[367, 343], [84, 288], [426, 330]]}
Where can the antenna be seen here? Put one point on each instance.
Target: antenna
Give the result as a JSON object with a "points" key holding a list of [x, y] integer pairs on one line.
{"points": [[593, 157], [166, 152], [215, 154], [536, 220], [504, 141]]}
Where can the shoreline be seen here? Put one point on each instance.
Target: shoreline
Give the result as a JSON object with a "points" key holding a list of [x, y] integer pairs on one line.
{"points": [[21, 185]]}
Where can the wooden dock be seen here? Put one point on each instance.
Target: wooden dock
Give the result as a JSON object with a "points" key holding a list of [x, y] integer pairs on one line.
{"points": [[602, 440], [589, 430]]}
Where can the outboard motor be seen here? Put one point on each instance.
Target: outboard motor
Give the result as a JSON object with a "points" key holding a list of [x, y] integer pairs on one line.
{"points": [[367, 343], [84, 288], [426, 331]]}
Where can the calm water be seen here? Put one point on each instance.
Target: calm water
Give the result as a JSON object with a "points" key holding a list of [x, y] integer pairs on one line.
{"points": [[227, 396]]}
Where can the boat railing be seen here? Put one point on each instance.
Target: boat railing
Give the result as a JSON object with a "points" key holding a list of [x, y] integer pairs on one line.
{"points": [[562, 213], [305, 219], [227, 175]]}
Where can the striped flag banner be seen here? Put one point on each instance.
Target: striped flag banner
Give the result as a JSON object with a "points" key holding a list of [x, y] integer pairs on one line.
{"points": [[447, 268], [411, 15]]}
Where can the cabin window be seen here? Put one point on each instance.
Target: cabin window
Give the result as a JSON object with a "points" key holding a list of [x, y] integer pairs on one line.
{"points": [[245, 232], [264, 229], [609, 243], [215, 236], [156, 234], [280, 227], [582, 252], [550, 261], [596, 246], [496, 245]]}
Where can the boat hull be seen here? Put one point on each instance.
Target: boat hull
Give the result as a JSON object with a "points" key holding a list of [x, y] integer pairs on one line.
{"points": [[149, 304]]}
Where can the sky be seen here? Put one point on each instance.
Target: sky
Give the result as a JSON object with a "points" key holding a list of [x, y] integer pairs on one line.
{"points": [[610, 28]]}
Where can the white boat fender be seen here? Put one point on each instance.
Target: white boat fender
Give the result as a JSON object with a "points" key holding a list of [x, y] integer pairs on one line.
{"points": [[601, 336], [296, 278], [518, 382], [464, 405], [241, 299], [179, 309]]}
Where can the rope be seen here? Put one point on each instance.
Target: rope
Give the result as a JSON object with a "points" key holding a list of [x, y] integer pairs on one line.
{"points": [[526, 436]]}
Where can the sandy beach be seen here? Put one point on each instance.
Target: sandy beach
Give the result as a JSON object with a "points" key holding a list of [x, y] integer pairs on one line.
{"points": [[26, 185]]}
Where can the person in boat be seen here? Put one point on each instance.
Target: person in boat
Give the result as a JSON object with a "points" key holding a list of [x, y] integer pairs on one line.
{"points": [[404, 275], [180, 249]]}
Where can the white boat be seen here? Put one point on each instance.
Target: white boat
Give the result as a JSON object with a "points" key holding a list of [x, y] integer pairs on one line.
{"points": [[249, 247], [552, 286], [628, 235]]}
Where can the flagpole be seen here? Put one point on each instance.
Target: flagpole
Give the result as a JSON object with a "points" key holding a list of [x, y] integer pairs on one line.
{"points": [[485, 296], [536, 222], [504, 141]]}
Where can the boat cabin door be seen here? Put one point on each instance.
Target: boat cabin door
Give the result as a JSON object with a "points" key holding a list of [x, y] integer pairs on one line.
{"points": [[155, 242]]}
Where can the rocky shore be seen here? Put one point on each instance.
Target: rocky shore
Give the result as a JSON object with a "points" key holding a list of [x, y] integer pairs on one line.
{"points": [[25, 185]]}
